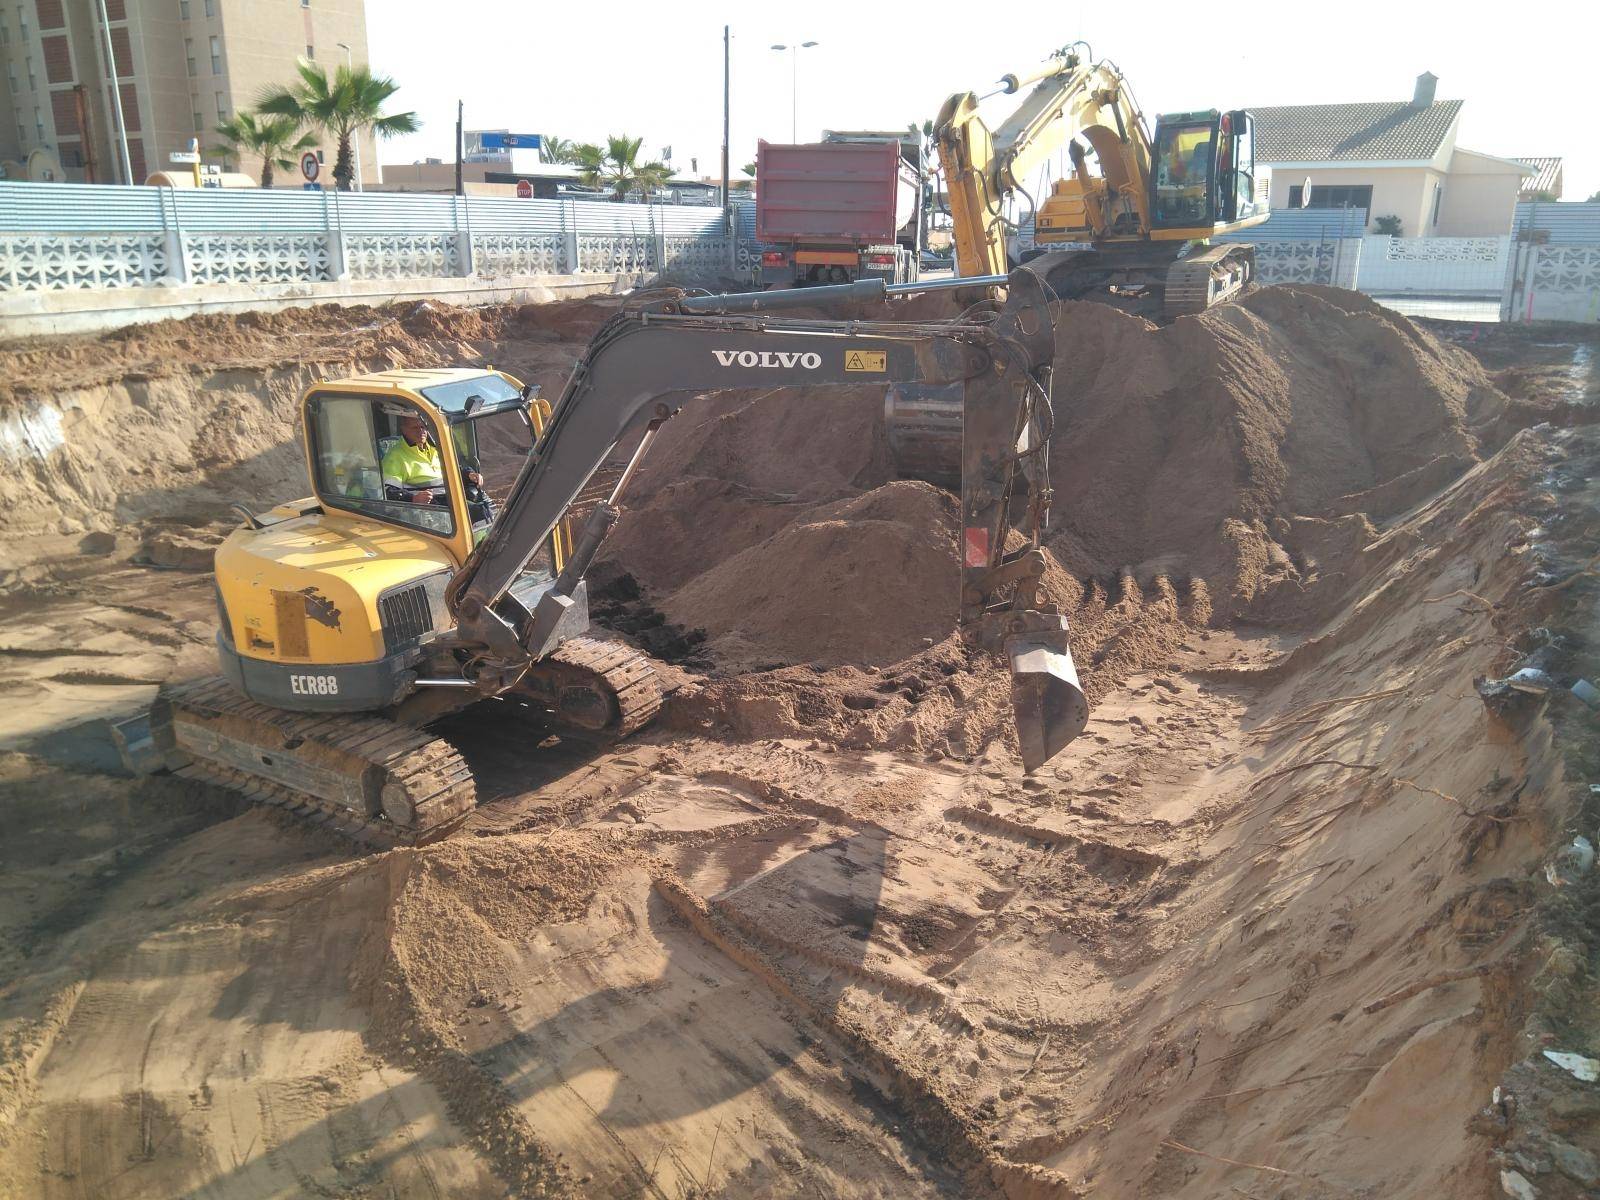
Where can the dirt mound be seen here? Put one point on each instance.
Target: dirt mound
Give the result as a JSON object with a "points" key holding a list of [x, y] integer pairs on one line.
{"points": [[1194, 449], [864, 580]]}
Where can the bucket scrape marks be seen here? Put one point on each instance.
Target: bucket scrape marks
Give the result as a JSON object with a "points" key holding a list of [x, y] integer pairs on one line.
{"points": [[656, 1065]]}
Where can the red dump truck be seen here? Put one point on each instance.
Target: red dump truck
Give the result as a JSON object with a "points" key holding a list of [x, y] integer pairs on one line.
{"points": [[845, 208]]}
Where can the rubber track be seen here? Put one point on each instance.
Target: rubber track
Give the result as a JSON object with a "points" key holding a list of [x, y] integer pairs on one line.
{"points": [[435, 776], [1188, 287], [628, 673]]}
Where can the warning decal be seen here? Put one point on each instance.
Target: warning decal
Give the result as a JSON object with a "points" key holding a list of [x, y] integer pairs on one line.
{"points": [[866, 360]]}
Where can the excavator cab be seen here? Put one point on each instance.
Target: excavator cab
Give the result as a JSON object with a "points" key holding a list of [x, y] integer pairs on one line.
{"points": [[1203, 172]]}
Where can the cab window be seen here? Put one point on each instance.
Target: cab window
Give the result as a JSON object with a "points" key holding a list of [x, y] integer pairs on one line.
{"points": [[1184, 155], [355, 442]]}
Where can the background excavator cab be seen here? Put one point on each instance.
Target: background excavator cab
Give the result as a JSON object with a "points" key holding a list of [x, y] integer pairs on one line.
{"points": [[1203, 171]]}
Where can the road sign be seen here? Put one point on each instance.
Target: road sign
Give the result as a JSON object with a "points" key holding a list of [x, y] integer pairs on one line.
{"points": [[524, 189], [310, 187], [509, 141], [183, 156], [309, 166]]}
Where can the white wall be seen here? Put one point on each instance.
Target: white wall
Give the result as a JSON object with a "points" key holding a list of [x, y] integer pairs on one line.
{"points": [[1405, 192]]}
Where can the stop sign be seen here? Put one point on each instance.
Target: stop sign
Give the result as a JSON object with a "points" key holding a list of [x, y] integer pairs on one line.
{"points": [[524, 189]]}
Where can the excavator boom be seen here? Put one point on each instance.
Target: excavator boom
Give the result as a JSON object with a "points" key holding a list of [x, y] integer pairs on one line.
{"points": [[641, 364]]}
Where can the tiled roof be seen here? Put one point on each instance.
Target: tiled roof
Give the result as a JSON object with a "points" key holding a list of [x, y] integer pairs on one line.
{"points": [[1353, 132], [1548, 172]]}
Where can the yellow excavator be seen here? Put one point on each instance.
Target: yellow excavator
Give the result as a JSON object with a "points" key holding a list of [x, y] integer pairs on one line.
{"points": [[1133, 225], [352, 619], [1139, 227]]}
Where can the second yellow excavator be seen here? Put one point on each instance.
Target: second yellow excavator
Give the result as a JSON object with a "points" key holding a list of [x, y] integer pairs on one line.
{"points": [[1134, 224]]}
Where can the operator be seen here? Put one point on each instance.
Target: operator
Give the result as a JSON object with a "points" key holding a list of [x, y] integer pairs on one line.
{"points": [[412, 474]]}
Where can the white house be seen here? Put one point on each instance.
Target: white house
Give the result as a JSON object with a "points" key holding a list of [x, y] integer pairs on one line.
{"points": [[1391, 158]]}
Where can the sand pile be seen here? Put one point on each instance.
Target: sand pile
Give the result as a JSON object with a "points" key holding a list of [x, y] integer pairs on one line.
{"points": [[1243, 450], [863, 581], [1196, 449]]}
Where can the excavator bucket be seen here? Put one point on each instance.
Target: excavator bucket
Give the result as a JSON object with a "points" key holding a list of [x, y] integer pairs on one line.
{"points": [[923, 421], [1046, 699]]}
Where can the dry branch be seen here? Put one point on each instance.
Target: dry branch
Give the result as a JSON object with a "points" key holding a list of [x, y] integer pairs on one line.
{"points": [[1422, 985]]}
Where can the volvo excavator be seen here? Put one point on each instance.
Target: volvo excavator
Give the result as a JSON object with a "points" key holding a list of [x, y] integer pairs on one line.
{"points": [[353, 619], [1139, 226]]}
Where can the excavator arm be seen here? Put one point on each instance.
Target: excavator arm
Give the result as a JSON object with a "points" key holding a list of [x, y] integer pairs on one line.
{"points": [[638, 368], [984, 167]]}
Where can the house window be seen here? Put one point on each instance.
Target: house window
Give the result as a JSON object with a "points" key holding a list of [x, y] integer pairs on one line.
{"points": [[183, 10], [33, 80], [311, 51], [5, 31], [320, 160], [305, 3], [1354, 196], [222, 107], [199, 124], [188, 50], [38, 123], [1438, 196], [22, 22], [11, 76], [211, 8], [216, 56]]}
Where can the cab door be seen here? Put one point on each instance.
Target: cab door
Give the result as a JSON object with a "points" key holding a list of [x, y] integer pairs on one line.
{"points": [[1238, 190]]}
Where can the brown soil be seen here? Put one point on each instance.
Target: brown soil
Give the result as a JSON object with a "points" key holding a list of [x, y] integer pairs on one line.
{"points": [[1277, 925]]}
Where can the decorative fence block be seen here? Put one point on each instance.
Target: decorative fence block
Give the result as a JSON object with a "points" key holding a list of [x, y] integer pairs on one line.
{"points": [[688, 254], [401, 255], [257, 258], [611, 255], [518, 254], [46, 262], [1567, 269]]}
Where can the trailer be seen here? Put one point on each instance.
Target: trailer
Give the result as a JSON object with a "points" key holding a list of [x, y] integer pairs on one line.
{"points": [[846, 208]]}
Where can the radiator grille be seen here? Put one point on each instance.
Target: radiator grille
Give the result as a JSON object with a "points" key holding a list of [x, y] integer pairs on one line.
{"points": [[405, 615]]}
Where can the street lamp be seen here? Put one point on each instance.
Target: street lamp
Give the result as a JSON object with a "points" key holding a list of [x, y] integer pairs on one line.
{"points": [[794, 82], [350, 68]]}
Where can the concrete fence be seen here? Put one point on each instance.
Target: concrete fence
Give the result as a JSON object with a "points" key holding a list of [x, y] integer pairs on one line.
{"points": [[57, 237], [63, 246]]}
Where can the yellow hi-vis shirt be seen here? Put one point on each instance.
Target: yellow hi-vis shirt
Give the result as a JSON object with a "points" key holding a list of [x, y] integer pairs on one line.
{"points": [[412, 466]]}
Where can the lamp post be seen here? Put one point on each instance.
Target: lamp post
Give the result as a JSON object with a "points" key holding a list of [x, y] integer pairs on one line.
{"points": [[349, 66], [794, 82]]}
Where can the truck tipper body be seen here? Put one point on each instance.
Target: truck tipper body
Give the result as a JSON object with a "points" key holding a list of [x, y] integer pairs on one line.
{"points": [[845, 208]]}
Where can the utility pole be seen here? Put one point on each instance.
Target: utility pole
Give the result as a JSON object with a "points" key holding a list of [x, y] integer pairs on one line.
{"points": [[460, 141], [727, 200], [116, 95]]}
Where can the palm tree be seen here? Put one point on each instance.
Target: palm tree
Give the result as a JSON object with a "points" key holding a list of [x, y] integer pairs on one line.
{"points": [[558, 149], [273, 138], [342, 106], [617, 166]]}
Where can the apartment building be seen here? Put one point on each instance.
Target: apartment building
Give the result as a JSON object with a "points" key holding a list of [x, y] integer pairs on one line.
{"points": [[181, 67]]}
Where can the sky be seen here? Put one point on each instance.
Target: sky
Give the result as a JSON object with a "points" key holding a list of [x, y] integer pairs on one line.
{"points": [[1527, 72]]}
